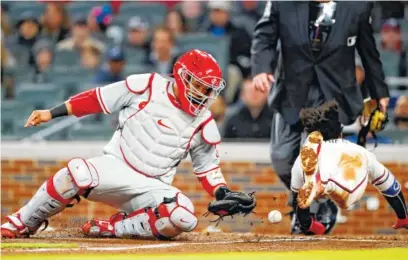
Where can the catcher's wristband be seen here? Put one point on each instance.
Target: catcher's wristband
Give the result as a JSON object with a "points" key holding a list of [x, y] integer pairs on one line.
{"points": [[59, 111], [317, 228]]}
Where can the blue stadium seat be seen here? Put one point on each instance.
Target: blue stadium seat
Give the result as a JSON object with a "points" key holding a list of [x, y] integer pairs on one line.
{"points": [[217, 46], [21, 54], [81, 8], [135, 56], [153, 12], [34, 7], [13, 114], [40, 96], [137, 69], [66, 60], [90, 132]]}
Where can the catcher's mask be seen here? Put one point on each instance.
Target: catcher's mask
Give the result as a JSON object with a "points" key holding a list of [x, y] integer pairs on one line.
{"points": [[376, 123]]}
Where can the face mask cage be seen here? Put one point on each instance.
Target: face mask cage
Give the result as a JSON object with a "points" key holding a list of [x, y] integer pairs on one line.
{"points": [[200, 93]]}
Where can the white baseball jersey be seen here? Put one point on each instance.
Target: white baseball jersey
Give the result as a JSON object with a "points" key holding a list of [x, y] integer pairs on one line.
{"points": [[344, 169], [154, 134]]}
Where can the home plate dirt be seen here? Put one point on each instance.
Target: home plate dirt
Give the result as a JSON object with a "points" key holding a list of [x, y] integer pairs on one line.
{"points": [[63, 242]]}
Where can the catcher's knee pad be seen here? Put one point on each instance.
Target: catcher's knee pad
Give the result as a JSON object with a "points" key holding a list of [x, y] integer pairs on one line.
{"points": [[169, 219], [83, 173], [181, 212]]}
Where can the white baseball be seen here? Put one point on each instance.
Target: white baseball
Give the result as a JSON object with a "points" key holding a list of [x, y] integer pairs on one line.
{"points": [[275, 216]]}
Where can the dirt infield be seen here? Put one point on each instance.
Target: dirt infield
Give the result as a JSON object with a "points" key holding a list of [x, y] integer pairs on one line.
{"points": [[194, 242]]}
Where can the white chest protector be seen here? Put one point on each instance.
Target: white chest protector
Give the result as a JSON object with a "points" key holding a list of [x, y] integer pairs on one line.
{"points": [[158, 134]]}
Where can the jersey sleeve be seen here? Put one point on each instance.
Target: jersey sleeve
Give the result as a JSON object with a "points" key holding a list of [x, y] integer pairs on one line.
{"points": [[206, 165], [378, 174], [204, 157], [297, 180], [114, 96]]}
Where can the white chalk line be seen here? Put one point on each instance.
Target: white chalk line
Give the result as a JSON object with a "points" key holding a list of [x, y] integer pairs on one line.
{"points": [[176, 244]]}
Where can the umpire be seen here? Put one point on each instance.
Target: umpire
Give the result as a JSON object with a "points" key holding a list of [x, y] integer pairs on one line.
{"points": [[318, 41]]}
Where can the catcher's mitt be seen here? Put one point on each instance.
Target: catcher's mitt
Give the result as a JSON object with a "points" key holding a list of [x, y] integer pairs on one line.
{"points": [[376, 123], [229, 203]]}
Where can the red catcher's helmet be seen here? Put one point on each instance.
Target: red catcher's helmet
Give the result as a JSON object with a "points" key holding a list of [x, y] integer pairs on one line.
{"points": [[199, 81]]}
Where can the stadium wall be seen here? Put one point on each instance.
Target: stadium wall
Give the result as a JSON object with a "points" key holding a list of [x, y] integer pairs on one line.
{"points": [[24, 166]]}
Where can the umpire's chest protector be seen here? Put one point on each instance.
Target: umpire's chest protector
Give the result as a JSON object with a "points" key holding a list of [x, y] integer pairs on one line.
{"points": [[158, 134]]}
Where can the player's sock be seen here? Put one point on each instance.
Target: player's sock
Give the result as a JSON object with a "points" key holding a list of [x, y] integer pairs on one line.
{"points": [[391, 190], [398, 205]]}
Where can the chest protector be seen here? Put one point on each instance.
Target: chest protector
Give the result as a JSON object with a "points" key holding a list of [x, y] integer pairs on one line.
{"points": [[156, 137]]}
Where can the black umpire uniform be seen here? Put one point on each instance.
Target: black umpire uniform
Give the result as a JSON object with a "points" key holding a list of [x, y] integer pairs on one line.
{"points": [[317, 65]]}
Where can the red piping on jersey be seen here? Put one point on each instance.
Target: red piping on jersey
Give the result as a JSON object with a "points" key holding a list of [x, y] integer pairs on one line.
{"points": [[53, 192], [134, 168], [344, 188], [208, 142], [199, 127], [104, 107], [143, 90], [85, 103], [172, 98], [318, 178], [379, 178], [149, 86]]}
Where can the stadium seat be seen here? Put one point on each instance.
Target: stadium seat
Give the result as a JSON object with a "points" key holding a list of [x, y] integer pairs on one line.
{"points": [[66, 59], [34, 7], [153, 12], [21, 54], [90, 132], [13, 114], [40, 96], [135, 56], [81, 8], [217, 46], [397, 136], [137, 69]]}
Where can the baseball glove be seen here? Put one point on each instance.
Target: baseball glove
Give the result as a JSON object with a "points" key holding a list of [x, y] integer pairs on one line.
{"points": [[229, 203], [376, 123]]}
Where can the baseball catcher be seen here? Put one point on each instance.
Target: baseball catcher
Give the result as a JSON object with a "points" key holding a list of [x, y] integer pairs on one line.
{"points": [[161, 121], [331, 166]]}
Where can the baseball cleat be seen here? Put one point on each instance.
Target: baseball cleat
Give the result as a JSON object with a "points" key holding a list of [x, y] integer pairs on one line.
{"points": [[15, 228], [309, 163], [401, 223]]}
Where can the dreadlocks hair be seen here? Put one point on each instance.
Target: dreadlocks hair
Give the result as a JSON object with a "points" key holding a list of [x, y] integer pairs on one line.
{"points": [[324, 119]]}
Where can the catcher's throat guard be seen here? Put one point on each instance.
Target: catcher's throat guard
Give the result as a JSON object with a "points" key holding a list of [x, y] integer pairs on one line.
{"points": [[376, 123]]}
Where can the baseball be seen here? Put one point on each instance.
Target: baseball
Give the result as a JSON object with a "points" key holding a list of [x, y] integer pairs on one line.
{"points": [[275, 216]]}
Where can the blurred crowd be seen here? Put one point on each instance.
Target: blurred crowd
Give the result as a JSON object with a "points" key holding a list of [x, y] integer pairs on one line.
{"points": [[97, 43]]}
